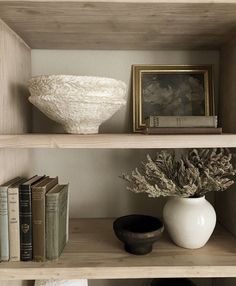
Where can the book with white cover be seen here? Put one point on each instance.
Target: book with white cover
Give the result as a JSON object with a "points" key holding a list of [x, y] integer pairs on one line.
{"points": [[4, 233], [14, 221]]}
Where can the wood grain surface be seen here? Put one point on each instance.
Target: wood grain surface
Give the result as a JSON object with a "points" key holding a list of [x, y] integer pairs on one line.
{"points": [[15, 70], [226, 201], [94, 252], [139, 25], [116, 141]]}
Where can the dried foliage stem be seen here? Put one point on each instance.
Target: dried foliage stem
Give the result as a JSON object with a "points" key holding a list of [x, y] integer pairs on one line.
{"points": [[194, 174]]}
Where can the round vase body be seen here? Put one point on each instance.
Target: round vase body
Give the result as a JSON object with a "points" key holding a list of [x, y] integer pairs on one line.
{"points": [[189, 221]]}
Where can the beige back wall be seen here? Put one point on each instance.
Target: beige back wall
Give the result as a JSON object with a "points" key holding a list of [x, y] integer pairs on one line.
{"points": [[96, 189]]}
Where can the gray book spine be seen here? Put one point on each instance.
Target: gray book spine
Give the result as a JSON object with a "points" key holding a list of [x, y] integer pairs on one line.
{"points": [[4, 234], [56, 222], [182, 121], [63, 199], [52, 226]]}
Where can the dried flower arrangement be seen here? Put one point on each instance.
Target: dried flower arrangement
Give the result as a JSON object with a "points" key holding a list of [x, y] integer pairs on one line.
{"points": [[193, 175]]}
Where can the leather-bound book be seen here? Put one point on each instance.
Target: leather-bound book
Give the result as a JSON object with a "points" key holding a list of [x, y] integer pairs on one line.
{"points": [[14, 221], [4, 226], [56, 221], [26, 239], [39, 191]]}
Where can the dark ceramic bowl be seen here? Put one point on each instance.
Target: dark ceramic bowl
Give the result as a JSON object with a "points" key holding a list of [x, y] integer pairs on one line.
{"points": [[172, 282], [138, 232]]}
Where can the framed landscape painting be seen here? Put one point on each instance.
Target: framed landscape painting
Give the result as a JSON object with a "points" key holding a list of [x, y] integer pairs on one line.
{"points": [[171, 91]]}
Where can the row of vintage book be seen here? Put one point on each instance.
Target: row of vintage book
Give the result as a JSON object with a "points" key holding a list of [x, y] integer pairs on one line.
{"points": [[33, 219]]}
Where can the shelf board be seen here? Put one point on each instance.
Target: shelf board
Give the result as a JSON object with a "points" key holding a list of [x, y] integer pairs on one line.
{"points": [[131, 1], [121, 24], [117, 141], [93, 252]]}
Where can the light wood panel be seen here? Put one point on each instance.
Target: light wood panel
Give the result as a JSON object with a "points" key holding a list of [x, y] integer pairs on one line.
{"points": [[14, 109], [134, 1], [14, 163], [121, 24], [15, 70], [228, 87], [116, 141], [226, 201], [93, 252]]}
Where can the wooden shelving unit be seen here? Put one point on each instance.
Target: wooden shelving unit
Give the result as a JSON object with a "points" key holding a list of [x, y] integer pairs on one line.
{"points": [[94, 252], [116, 141]]}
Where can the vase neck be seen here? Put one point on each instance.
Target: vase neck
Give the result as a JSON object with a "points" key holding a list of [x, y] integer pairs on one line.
{"points": [[192, 200]]}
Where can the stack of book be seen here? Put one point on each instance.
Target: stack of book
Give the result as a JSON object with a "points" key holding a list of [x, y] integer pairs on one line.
{"points": [[182, 125], [33, 219]]}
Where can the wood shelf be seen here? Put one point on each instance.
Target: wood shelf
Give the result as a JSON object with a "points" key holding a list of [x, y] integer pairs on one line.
{"points": [[121, 24], [93, 252], [116, 141]]}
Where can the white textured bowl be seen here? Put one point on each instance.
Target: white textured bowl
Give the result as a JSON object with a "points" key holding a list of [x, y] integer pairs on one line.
{"points": [[79, 103]]}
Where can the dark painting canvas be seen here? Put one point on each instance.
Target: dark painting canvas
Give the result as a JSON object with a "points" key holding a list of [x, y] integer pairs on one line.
{"points": [[172, 94]]}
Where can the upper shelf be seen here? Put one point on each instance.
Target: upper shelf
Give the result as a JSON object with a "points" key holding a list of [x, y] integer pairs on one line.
{"points": [[93, 252], [121, 24], [116, 141]]}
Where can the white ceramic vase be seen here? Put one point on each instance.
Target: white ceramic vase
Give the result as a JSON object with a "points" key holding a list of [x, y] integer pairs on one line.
{"points": [[189, 221]]}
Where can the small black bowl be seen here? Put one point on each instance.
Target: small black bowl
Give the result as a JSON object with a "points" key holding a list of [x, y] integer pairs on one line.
{"points": [[138, 232], [172, 282]]}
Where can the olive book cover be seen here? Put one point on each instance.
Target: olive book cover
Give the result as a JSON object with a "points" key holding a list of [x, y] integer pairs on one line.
{"points": [[56, 221], [39, 191]]}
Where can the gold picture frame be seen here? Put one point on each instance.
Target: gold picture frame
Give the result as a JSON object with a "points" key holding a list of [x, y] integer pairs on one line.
{"points": [[194, 83]]}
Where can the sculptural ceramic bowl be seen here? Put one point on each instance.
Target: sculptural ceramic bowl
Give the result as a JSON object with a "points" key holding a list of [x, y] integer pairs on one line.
{"points": [[79, 103], [138, 232]]}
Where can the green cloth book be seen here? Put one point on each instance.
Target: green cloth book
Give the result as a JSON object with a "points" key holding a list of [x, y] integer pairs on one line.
{"points": [[39, 191], [56, 221]]}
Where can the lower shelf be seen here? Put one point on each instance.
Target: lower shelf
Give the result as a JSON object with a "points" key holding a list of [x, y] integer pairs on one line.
{"points": [[93, 252]]}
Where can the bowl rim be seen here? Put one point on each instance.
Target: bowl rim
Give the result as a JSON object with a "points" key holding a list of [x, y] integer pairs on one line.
{"points": [[140, 235], [38, 77]]}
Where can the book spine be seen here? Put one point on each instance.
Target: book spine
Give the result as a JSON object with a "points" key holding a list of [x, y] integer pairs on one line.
{"points": [[4, 239], [67, 216], [52, 226], [38, 211], [63, 219], [182, 121], [14, 224], [182, 130], [26, 247]]}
